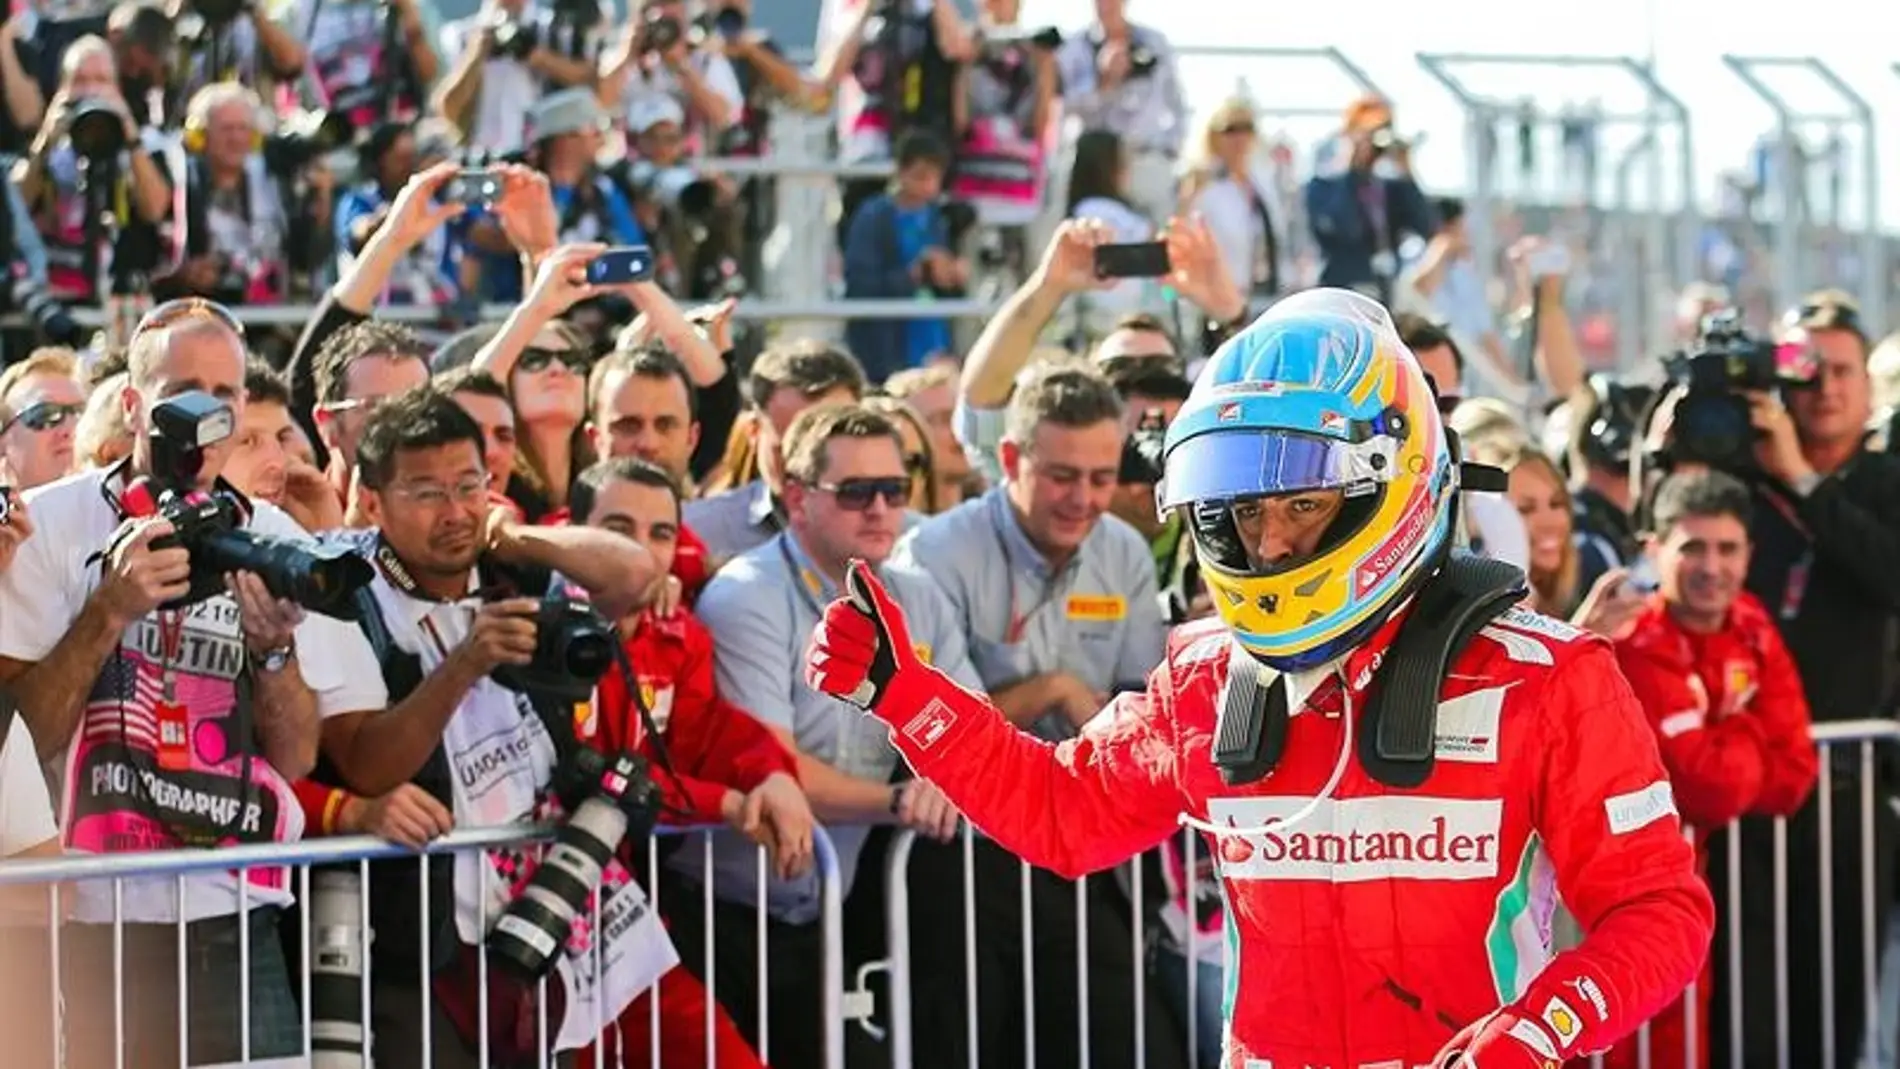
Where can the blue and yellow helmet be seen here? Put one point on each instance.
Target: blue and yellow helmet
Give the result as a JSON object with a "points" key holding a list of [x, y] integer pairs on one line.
{"points": [[1318, 394]]}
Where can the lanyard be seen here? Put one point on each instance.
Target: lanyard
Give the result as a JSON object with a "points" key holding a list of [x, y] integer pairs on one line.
{"points": [[1794, 589], [171, 640], [1018, 621], [799, 572]]}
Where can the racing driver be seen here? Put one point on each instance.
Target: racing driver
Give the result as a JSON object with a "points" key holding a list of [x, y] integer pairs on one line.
{"points": [[1373, 926]]}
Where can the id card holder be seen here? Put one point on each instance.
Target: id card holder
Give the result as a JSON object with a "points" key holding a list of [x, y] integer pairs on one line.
{"points": [[1796, 589], [174, 750]]}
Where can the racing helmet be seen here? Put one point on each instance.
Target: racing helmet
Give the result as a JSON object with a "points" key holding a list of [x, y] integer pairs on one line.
{"points": [[1318, 394]]}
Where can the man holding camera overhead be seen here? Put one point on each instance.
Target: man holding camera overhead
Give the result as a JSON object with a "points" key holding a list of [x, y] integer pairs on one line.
{"points": [[508, 55], [663, 52], [1122, 77], [180, 704], [464, 625]]}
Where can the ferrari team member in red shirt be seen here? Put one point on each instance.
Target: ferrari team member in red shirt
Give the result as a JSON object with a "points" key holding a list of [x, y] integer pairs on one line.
{"points": [[1390, 900], [1721, 692], [726, 766]]}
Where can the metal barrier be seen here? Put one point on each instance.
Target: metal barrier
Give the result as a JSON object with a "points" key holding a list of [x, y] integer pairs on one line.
{"points": [[1795, 266], [1857, 739], [121, 870]]}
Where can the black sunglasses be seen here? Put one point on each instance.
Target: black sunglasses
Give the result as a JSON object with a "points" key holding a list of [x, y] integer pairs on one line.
{"points": [[856, 495], [536, 359], [43, 416]]}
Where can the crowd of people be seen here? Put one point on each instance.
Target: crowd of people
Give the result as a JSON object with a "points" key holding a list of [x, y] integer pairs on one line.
{"points": [[706, 489]]}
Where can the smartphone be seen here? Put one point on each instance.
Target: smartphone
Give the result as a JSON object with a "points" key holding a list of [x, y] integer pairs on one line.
{"points": [[1144, 259], [1550, 261], [617, 267], [472, 187]]}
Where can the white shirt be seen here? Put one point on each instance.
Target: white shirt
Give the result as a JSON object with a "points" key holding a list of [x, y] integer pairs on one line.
{"points": [[43, 592], [26, 809], [713, 67]]}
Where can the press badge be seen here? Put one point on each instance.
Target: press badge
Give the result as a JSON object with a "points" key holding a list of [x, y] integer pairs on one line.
{"points": [[174, 723]]}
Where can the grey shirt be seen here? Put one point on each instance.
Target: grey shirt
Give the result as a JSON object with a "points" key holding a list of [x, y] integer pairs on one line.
{"points": [[761, 609], [1097, 618], [1149, 110], [733, 521]]}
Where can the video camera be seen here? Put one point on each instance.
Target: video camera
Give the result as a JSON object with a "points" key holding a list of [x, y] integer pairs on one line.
{"points": [[304, 137], [209, 526], [574, 646], [1711, 424]]}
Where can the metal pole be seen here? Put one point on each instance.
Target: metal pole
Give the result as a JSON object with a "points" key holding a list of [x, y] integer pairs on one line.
{"points": [[1689, 223], [1789, 268], [1480, 174], [1630, 297], [1873, 282]]}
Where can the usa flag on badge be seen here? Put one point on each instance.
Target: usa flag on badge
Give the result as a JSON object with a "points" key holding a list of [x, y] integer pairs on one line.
{"points": [[1228, 413]]}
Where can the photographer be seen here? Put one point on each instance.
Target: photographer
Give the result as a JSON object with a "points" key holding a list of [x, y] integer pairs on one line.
{"points": [[458, 591], [657, 55], [89, 123], [232, 41], [1006, 97], [113, 679], [1121, 77], [692, 216], [1606, 420], [240, 241], [898, 246], [371, 61], [1364, 204], [509, 54]]}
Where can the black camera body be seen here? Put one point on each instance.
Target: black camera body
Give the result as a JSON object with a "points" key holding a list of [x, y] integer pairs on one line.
{"points": [[1711, 424], [305, 137], [661, 31], [515, 38], [1142, 451], [210, 526], [574, 646]]}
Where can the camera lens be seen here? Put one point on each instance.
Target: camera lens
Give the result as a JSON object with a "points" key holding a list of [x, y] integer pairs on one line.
{"points": [[323, 579]]}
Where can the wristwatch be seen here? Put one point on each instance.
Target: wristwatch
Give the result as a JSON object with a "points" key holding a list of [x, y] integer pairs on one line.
{"points": [[273, 660]]}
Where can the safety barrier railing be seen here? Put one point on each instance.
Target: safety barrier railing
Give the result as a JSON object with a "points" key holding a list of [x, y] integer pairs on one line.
{"points": [[1848, 763], [337, 1042]]}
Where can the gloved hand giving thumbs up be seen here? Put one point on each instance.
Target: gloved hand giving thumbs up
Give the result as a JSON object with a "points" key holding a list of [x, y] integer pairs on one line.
{"points": [[861, 645]]}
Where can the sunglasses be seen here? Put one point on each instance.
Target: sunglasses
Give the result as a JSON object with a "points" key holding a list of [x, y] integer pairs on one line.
{"points": [[43, 416], [916, 463], [535, 360], [171, 313], [1236, 128], [856, 495]]}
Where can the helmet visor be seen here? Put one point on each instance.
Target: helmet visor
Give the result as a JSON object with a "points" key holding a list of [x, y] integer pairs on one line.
{"points": [[1246, 464]]}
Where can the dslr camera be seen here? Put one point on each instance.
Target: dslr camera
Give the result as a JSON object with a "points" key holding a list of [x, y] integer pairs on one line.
{"points": [[994, 45], [96, 128], [574, 646], [660, 32], [1711, 424], [304, 137], [608, 799], [209, 526]]}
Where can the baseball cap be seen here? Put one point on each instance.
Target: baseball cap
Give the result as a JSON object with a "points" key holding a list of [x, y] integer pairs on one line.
{"points": [[569, 111]]}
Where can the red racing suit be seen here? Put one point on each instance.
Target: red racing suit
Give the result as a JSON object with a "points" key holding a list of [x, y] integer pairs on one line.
{"points": [[1370, 933], [714, 747], [1732, 723]]}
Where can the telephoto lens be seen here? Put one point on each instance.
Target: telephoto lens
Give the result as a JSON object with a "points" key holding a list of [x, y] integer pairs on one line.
{"points": [[338, 946], [321, 578], [527, 939]]}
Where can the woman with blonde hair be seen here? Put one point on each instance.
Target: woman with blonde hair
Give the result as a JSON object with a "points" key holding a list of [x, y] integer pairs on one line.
{"points": [[920, 460], [1542, 497], [1225, 187]]}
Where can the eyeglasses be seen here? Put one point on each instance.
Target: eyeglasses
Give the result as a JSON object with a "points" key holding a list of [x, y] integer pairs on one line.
{"points": [[43, 416], [172, 312], [535, 360], [856, 495], [434, 496]]}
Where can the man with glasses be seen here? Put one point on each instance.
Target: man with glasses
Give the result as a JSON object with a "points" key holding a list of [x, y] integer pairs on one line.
{"points": [[1826, 532], [40, 403], [845, 491], [457, 589], [173, 728], [356, 369], [1059, 604], [1490, 525]]}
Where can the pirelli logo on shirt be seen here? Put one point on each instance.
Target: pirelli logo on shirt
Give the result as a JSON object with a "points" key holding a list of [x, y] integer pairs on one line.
{"points": [[1355, 840], [1097, 608]]}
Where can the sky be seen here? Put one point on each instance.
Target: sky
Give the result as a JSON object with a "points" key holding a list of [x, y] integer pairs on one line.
{"points": [[1689, 38]]}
